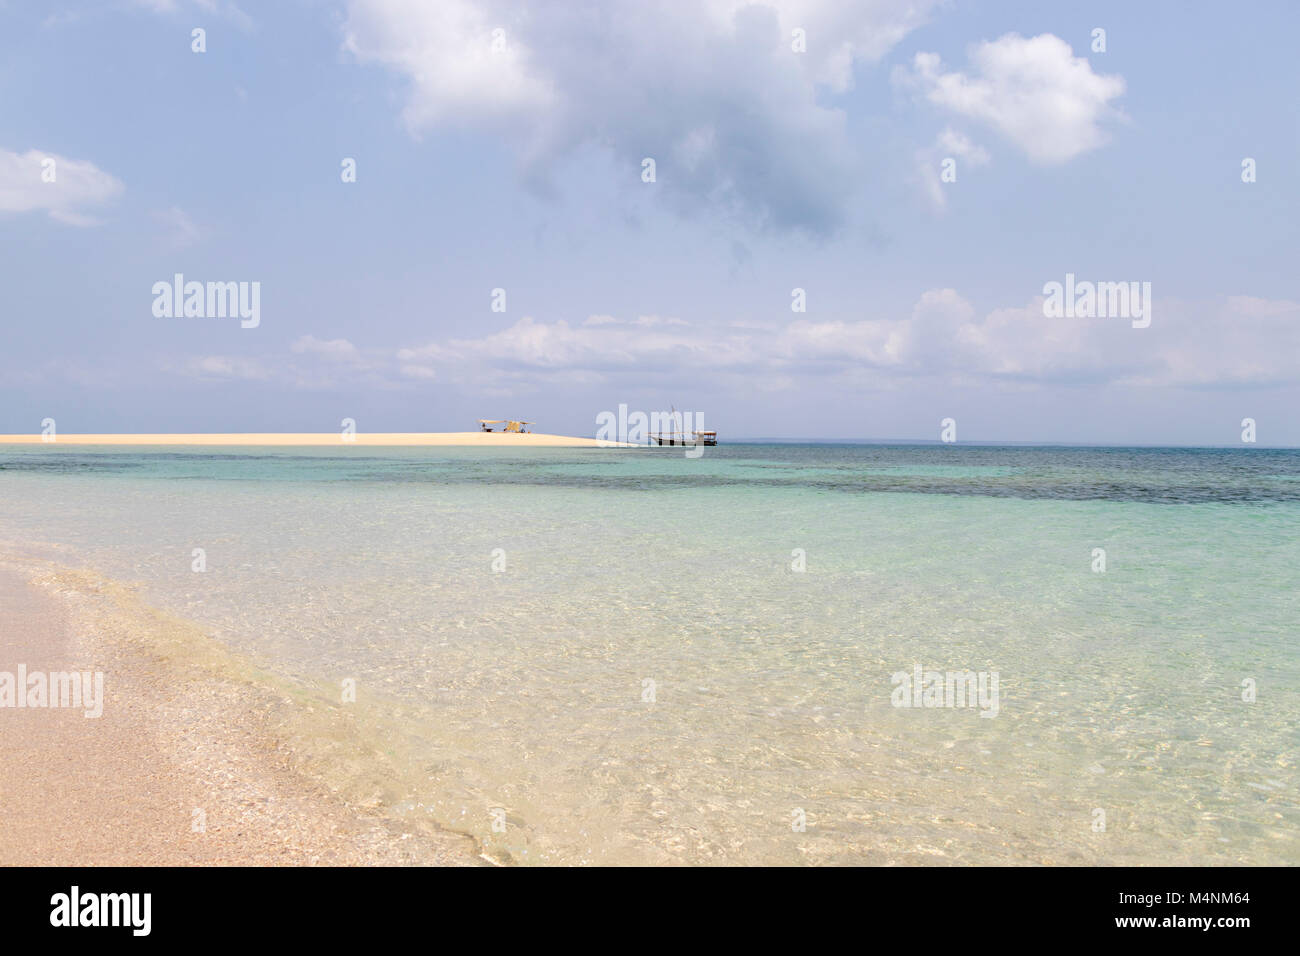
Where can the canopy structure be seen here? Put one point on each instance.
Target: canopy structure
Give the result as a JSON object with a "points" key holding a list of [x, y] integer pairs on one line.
{"points": [[511, 424]]}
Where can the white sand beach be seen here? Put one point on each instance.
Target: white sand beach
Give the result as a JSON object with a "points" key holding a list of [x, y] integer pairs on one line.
{"points": [[192, 760]]}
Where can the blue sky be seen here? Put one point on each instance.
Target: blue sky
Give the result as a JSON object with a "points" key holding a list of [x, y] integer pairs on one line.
{"points": [[520, 167]]}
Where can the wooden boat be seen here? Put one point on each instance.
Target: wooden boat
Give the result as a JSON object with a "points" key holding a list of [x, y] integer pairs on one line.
{"points": [[678, 438]]}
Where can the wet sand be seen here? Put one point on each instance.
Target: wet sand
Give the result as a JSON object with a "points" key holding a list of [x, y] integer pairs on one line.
{"points": [[181, 731]]}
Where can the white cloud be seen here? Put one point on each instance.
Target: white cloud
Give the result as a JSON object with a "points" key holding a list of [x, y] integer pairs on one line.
{"points": [[1250, 306], [314, 364], [529, 347], [180, 229], [74, 185], [419, 372], [225, 9], [839, 33], [943, 341], [225, 367], [1247, 341], [456, 67], [712, 91], [957, 145], [1034, 91], [949, 145], [944, 338], [336, 350]]}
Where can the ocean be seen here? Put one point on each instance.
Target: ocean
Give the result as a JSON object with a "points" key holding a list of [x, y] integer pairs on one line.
{"points": [[629, 656]]}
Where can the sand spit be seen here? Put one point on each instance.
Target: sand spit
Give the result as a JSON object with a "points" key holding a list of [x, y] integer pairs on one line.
{"points": [[377, 439]]}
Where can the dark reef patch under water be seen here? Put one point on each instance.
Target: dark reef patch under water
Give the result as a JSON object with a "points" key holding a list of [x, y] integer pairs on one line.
{"points": [[1149, 475]]}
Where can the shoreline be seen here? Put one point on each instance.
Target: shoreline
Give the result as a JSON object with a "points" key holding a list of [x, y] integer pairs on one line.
{"points": [[331, 439], [198, 756]]}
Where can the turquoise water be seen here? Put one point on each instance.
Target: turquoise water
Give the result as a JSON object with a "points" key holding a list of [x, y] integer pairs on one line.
{"points": [[526, 689]]}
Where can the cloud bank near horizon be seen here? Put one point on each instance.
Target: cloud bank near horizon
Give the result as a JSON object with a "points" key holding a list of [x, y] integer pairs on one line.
{"points": [[1230, 343]]}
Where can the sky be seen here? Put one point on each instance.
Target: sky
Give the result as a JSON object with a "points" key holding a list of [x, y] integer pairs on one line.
{"points": [[855, 215]]}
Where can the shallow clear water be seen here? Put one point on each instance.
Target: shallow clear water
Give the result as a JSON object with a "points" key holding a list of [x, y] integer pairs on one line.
{"points": [[525, 689]]}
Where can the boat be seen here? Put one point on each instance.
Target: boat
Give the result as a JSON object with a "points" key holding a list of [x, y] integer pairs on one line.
{"points": [[679, 437]]}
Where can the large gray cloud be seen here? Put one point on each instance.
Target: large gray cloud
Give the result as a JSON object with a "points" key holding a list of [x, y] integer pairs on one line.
{"points": [[713, 91]]}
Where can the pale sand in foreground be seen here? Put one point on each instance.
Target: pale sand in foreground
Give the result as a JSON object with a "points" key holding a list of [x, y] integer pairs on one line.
{"points": [[181, 731], [324, 438]]}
